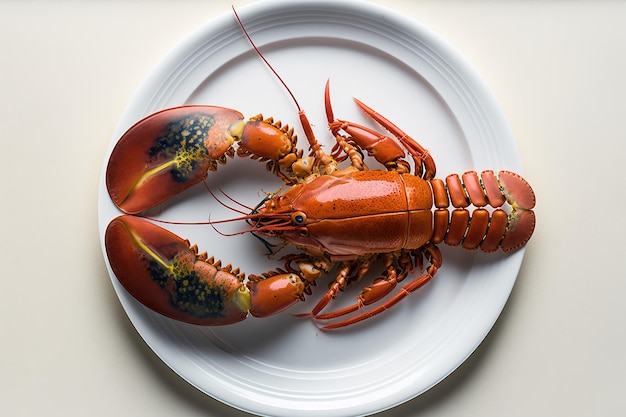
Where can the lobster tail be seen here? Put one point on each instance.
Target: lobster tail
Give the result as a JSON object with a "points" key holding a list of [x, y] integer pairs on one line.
{"points": [[489, 229]]}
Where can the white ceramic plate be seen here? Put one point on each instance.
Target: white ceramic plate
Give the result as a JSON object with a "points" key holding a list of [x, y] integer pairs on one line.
{"points": [[284, 365]]}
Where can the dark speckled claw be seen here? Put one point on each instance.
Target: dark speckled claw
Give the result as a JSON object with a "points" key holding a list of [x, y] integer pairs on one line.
{"points": [[168, 152], [164, 273]]}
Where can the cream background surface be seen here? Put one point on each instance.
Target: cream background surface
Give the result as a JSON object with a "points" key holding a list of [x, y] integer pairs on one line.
{"points": [[67, 70]]}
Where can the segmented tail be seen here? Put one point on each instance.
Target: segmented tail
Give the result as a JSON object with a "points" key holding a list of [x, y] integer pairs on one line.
{"points": [[490, 229]]}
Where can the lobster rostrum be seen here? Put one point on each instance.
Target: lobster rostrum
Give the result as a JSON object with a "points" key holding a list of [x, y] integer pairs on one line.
{"points": [[339, 214]]}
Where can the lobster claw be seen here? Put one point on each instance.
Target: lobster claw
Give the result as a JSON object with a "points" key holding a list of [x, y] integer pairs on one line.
{"points": [[168, 152], [165, 274]]}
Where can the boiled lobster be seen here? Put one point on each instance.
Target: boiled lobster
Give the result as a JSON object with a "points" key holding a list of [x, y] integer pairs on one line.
{"points": [[344, 218]]}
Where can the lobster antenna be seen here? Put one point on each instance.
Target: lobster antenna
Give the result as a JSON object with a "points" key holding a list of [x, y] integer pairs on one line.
{"points": [[265, 60]]}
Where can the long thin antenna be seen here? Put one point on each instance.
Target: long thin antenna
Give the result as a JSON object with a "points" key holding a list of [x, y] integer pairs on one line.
{"points": [[265, 60]]}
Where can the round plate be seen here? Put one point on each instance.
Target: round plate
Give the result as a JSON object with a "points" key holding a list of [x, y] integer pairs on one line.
{"points": [[285, 365]]}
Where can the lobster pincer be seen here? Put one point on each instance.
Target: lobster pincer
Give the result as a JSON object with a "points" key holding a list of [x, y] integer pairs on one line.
{"points": [[166, 274], [173, 149]]}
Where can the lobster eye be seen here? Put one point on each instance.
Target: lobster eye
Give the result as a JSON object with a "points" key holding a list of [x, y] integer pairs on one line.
{"points": [[304, 232], [298, 217]]}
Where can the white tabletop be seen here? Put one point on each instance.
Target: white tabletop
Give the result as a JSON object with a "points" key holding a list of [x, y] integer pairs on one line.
{"points": [[69, 68]]}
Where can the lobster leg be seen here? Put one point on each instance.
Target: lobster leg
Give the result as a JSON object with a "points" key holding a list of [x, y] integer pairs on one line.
{"points": [[340, 282], [381, 287], [370, 295], [383, 148], [423, 160]]}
